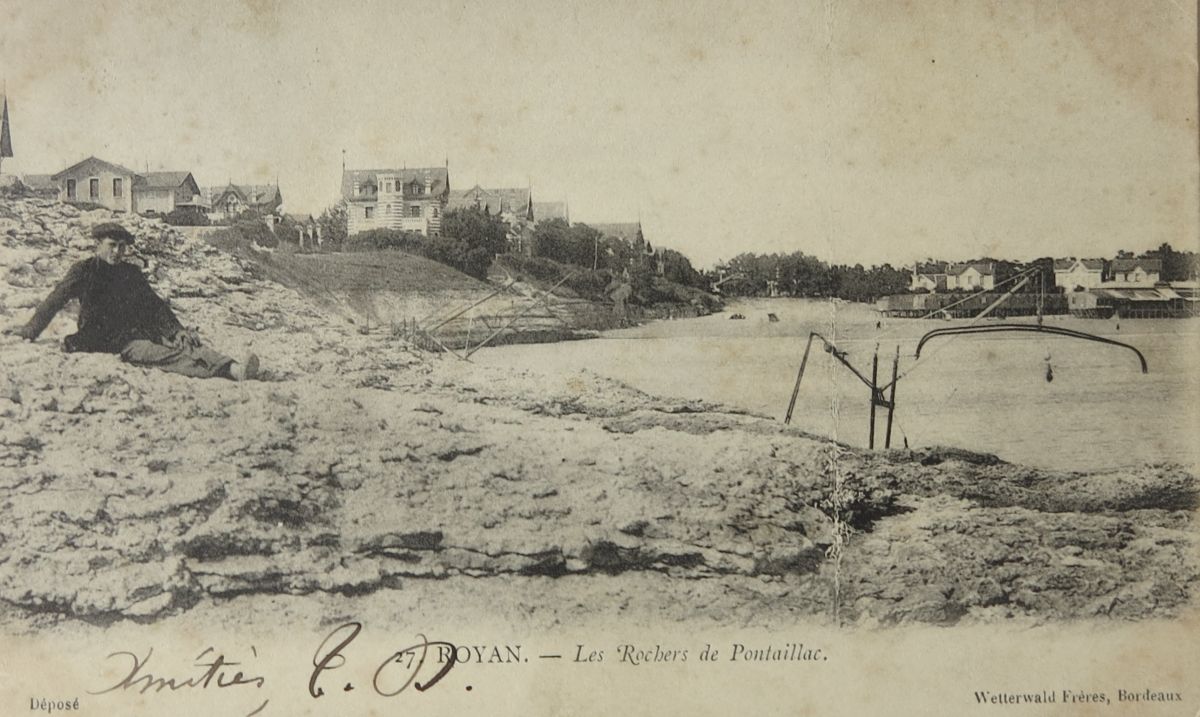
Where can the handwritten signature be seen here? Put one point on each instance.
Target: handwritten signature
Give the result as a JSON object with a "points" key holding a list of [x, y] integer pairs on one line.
{"points": [[142, 681], [392, 676], [331, 659]]}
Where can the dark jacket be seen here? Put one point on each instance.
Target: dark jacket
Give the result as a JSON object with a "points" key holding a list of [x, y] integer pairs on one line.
{"points": [[116, 306]]}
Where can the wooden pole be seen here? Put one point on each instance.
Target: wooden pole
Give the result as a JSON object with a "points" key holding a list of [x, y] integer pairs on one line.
{"points": [[874, 381], [796, 390], [887, 439]]}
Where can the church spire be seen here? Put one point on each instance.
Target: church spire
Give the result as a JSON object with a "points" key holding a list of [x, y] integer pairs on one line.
{"points": [[6, 149]]}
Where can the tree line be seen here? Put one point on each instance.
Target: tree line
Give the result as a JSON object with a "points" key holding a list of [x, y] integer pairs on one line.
{"points": [[471, 239], [799, 274]]}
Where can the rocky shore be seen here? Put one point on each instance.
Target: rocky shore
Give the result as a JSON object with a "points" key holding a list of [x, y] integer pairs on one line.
{"points": [[362, 466]]}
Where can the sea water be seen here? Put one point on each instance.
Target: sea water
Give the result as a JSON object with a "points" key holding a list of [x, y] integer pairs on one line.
{"points": [[986, 392]]}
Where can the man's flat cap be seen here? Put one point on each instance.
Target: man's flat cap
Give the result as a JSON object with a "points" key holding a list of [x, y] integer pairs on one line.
{"points": [[112, 230]]}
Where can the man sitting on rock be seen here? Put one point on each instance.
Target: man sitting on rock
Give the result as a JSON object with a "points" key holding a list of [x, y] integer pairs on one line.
{"points": [[119, 313]]}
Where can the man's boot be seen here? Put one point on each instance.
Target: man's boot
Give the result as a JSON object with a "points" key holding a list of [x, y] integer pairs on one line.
{"points": [[245, 370]]}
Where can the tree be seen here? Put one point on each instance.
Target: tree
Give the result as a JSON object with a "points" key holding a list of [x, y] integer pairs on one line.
{"points": [[479, 229], [1043, 280], [333, 226], [576, 244], [1176, 266]]}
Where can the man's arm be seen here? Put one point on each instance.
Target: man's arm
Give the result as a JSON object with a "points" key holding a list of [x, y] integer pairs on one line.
{"points": [[69, 288], [160, 319]]}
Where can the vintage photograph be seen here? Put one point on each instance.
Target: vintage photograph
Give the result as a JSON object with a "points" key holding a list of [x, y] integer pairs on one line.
{"points": [[672, 357]]}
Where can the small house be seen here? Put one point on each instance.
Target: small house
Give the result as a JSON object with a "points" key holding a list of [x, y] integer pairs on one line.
{"points": [[228, 202], [1072, 274], [1135, 272], [95, 181], [972, 276], [930, 277], [163, 192], [511, 205]]}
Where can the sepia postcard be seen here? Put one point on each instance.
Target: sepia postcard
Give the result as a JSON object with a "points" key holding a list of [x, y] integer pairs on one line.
{"points": [[528, 357]]}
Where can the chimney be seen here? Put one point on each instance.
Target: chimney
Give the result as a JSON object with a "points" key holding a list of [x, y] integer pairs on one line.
{"points": [[428, 183]]}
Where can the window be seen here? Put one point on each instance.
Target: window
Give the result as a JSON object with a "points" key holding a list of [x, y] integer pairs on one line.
{"points": [[117, 187], [93, 188], [388, 186], [414, 211], [70, 189], [368, 212]]}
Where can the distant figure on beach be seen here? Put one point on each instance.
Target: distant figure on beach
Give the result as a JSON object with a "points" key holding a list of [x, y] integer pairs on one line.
{"points": [[119, 313]]}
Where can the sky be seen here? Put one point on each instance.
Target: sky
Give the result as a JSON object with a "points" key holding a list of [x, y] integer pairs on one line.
{"points": [[858, 132]]}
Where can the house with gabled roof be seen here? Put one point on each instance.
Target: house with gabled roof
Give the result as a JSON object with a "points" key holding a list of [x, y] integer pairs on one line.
{"points": [[95, 181], [971, 276], [226, 203], [630, 232], [1072, 274], [928, 276], [543, 211], [511, 205], [407, 199], [1134, 272], [163, 192]]}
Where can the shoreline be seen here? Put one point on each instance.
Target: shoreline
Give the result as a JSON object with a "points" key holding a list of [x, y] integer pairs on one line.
{"points": [[708, 354], [361, 467]]}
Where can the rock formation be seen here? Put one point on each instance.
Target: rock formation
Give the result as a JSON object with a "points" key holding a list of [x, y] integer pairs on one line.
{"points": [[361, 465]]}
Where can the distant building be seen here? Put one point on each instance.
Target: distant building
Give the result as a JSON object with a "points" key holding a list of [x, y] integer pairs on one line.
{"points": [[6, 148], [630, 232], [1134, 272], [163, 192], [971, 276], [41, 184], [226, 203], [404, 199], [511, 205], [1072, 274], [1131, 302], [95, 181], [543, 211], [930, 276]]}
